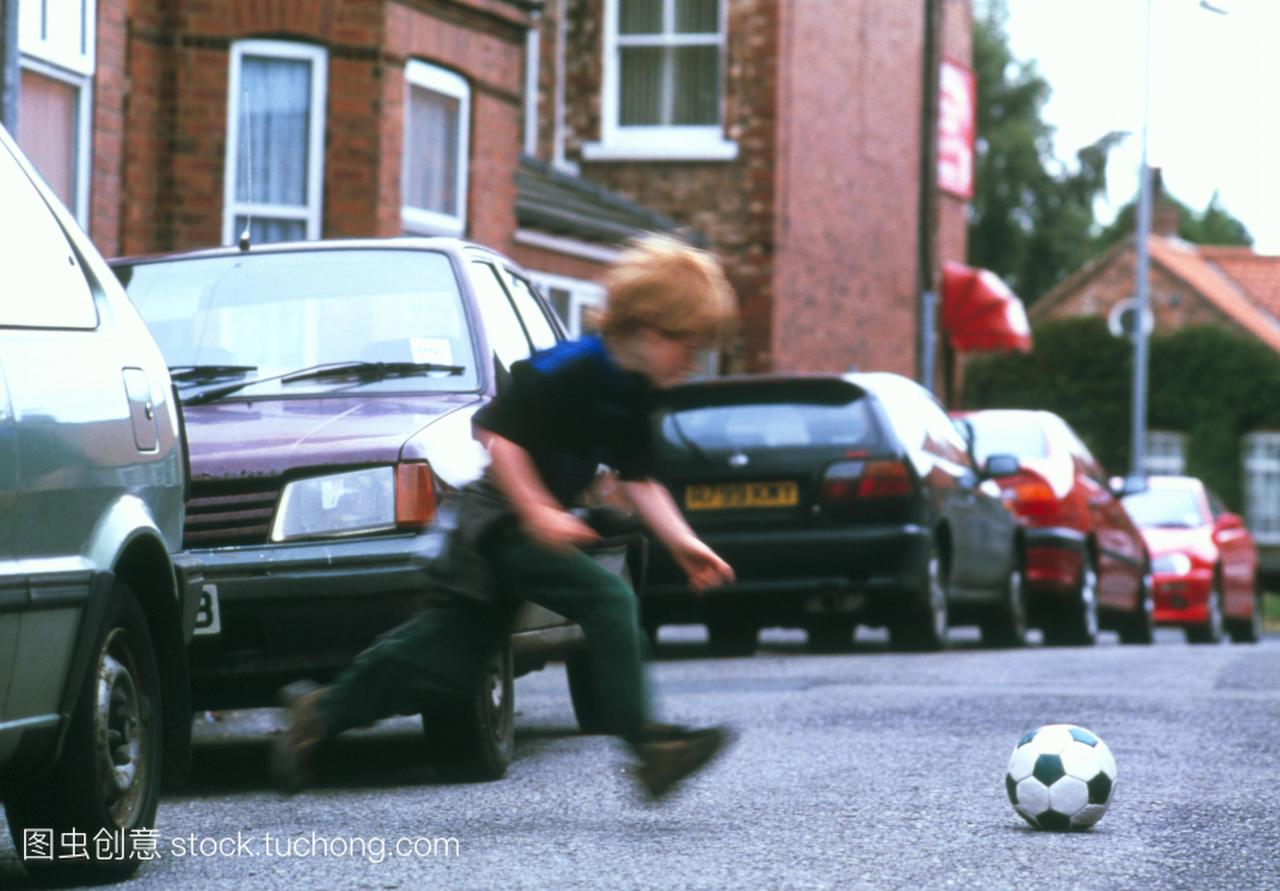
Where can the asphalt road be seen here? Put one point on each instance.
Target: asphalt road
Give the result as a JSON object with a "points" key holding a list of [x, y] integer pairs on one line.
{"points": [[866, 770]]}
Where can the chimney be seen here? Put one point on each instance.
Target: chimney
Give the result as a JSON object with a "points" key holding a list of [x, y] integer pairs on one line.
{"points": [[1164, 213]]}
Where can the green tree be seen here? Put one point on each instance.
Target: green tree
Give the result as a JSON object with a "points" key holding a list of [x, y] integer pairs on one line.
{"points": [[1030, 221], [1213, 225]]}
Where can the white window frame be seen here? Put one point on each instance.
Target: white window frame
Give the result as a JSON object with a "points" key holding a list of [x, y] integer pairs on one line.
{"points": [[59, 40], [664, 142], [313, 212], [1165, 453], [583, 294], [83, 84], [418, 220], [60, 33], [1263, 515]]}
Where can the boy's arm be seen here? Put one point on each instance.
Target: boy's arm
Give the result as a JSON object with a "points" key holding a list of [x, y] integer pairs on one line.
{"points": [[656, 508], [541, 517]]}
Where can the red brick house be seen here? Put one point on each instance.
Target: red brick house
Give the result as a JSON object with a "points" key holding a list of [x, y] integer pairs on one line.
{"points": [[788, 135], [785, 136], [1190, 284]]}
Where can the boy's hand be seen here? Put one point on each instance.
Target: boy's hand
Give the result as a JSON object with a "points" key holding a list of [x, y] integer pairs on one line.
{"points": [[555, 529], [702, 565]]}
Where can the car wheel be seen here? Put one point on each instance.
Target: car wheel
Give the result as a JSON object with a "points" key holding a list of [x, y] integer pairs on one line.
{"points": [[1211, 629], [833, 636], [1250, 630], [1008, 627], [590, 706], [474, 738], [107, 784], [1076, 624], [731, 638], [925, 627], [1139, 627]]}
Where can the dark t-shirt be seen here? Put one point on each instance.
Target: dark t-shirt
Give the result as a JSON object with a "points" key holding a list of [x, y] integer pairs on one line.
{"points": [[573, 408]]}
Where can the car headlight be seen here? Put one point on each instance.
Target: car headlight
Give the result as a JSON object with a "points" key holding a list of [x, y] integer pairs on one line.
{"points": [[1171, 564], [357, 502]]}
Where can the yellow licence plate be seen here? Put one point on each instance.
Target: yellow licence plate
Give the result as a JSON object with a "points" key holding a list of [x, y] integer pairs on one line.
{"points": [[736, 495]]}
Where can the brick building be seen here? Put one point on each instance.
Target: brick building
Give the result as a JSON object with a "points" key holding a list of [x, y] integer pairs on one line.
{"points": [[1189, 284], [787, 136]]}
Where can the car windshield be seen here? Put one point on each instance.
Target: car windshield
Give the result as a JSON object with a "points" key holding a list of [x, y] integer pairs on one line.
{"points": [[768, 425], [1166, 508], [275, 313], [998, 434]]}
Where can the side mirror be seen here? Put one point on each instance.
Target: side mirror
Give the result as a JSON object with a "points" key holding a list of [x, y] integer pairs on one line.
{"points": [[1227, 521], [1001, 465], [1133, 484]]}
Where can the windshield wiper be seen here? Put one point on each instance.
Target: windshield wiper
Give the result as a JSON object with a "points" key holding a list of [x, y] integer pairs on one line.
{"points": [[317, 371], [197, 373], [371, 370]]}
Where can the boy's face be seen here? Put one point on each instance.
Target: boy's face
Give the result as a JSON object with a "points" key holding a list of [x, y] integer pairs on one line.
{"points": [[666, 358]]}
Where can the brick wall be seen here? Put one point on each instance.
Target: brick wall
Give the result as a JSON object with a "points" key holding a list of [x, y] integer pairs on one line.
{"points": [[817, 217], [161, 110], [730, 203]]}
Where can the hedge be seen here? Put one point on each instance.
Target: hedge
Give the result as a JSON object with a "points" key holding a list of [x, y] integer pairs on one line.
{"points": [[1211, 383]]}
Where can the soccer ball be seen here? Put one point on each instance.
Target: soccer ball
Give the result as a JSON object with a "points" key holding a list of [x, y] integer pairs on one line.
{"points": [[1061, 777]]}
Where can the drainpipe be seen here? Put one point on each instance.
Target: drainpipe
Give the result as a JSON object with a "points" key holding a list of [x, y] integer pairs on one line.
{"points": [[927, 211], [9, 65]]}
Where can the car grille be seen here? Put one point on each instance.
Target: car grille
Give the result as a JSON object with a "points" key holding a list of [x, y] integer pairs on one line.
{"points": [[230, 512]]}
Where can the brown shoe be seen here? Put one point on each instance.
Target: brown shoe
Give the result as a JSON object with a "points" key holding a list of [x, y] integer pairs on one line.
{"points": [[305, 729], [668, 757]]}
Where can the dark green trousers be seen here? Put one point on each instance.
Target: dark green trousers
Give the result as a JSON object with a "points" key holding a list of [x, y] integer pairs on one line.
{"points": [[444, 649]]}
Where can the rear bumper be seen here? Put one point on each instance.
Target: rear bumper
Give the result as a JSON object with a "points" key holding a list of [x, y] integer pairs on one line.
{"points": [[1055, 556], [795, 577], [1183, 599]]}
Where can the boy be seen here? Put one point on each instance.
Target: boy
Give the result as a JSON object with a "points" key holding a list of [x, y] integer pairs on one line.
{"points": [[568, 410]]}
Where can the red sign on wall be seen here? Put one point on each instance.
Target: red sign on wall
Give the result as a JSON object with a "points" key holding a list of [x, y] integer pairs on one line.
{"points": [[957, 113]]}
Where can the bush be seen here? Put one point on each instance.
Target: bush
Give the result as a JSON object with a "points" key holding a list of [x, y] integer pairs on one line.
{"points": [[1211, 383]]}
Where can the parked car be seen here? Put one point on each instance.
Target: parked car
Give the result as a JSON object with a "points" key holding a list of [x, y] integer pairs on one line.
{"points": [[328, 389], [94, 698], [1203, 559], [837, 500], [1087, 564]]}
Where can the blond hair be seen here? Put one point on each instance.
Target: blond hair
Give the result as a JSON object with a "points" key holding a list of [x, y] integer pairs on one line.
{"points": [[664, 284]]}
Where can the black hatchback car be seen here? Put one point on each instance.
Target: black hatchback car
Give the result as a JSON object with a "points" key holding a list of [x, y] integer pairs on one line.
{"points": [[838, 500]]}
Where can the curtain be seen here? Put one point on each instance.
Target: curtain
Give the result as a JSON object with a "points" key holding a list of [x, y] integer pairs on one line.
{"points": [[431, 152], [274, 100], [47, 111]]}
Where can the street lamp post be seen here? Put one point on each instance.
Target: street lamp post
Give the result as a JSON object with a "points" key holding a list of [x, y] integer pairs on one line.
{"points": [[1142, 264]]}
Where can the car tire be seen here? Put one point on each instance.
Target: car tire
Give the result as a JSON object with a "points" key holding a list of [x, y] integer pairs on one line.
{"points": [[925, 626], [732, 638], [1210, 631], [1249, 630], [1076, 622], [474, 738], [1008, 627], [590, 706], [109, 775], [833, 636], [1139, 627]]}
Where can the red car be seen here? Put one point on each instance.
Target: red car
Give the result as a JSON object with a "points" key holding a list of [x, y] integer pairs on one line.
{"points": [[1203, 558], [1086, 561]]}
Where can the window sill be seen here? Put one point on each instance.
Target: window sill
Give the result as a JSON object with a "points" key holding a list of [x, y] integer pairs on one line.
{"points": [[674, 149]]}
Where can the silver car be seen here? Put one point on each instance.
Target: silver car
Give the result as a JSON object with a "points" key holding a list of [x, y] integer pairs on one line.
{"points": [[94, 617]]}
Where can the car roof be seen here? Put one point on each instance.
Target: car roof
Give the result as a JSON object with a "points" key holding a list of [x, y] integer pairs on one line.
{"points": [[451, 245]]}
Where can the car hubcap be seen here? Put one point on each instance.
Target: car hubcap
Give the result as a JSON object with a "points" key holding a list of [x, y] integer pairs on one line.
{"points": [[497, 697], [1089, 601], [1215, 613], [937, 598], [1017, 604], [119, 731]]}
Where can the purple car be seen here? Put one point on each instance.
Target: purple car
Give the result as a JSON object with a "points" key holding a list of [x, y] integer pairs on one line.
{"points": [[327, 391]]}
